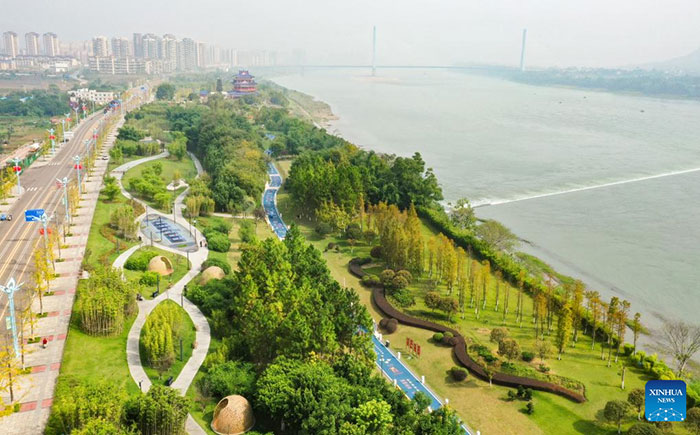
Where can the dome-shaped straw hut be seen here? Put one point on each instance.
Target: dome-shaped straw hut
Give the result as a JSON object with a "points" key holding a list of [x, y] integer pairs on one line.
{"points": [[233, 415], [161, 265], [211, 272]]}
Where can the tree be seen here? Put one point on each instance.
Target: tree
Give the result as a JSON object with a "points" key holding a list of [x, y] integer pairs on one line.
{"points": [[165, 91], [373, 416], [83, 403], [160, 411], [111, 189], [683, 340], [462, 215], [132, 133], [563, 328], [643, 429], [509, 348], [123, 220], [498, 334], [10, 369], [636, 399], [636, 329], [231, 377], [497, 235], [615, 411], [432, 300], [693, 420], [42, 275], [543, 348]]}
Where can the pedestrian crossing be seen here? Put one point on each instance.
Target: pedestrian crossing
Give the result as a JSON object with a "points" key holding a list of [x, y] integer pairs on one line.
{"points": [[32, 189]]}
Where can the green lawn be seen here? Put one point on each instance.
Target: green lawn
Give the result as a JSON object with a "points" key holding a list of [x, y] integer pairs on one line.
{"points": [[170, 165], [93, 358], [187, 333], [486, 408], [180, 268]]}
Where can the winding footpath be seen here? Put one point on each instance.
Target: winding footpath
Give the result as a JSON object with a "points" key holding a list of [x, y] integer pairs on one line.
{"points": [[175, 293], [389, 364]]}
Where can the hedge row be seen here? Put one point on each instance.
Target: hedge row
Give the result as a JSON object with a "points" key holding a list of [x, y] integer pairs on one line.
{"points": [[499, 261], [459, 347]]}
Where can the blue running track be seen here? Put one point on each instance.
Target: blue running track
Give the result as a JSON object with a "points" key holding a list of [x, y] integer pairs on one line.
{"points": [[269, 205]]}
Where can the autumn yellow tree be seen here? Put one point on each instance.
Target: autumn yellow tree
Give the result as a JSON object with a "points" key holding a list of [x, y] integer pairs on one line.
{"points": [[42, 275], [10, 369]]}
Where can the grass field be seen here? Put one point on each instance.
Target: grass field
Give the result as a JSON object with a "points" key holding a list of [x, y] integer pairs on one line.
{"points": [[485, 407], [180, 268], [185, 167], [91, 358], [187, 333]]}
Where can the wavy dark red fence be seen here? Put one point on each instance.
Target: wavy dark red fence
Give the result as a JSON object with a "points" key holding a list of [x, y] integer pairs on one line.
{"points": [[460, 348]]}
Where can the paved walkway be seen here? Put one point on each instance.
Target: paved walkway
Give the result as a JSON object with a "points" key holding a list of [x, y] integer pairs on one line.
{"points": [[35, 392], [175, 293], [269, 200]]}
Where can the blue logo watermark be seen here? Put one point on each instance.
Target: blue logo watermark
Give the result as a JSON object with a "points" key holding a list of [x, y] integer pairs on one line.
{"points": [[665, 401]]}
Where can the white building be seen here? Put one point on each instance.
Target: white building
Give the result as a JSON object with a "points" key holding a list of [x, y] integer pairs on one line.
{"points": [[51, 45], [95, 96], [99, 46], [11, 44], [31, 40]]}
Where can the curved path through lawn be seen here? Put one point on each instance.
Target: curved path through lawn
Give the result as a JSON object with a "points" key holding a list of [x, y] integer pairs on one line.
{"points": [[202, 337]]}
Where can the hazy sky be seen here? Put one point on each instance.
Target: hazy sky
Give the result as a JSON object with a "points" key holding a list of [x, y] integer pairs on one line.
{"points": [[560, 32]]}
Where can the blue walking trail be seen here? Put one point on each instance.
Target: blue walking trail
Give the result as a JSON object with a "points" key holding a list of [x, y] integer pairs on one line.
{"points": [[409, 383], [269, 205]]}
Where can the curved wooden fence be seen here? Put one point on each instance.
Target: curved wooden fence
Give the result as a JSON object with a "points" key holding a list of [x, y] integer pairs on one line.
{"points": [[460, 347]]}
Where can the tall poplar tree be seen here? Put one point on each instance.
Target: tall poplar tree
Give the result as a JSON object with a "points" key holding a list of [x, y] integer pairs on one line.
{"points": [[563, 328]]}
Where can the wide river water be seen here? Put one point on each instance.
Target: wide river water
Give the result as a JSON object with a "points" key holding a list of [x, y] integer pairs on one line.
{"points": [[495, 141]]}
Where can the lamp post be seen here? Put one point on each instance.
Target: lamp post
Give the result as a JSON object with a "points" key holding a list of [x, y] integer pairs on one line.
{"points": [[195, 232], [44, 223], [53, 140], [87, 156], [77, 167], [10, 289], [18, 169], [63, 127], [64, 183]]}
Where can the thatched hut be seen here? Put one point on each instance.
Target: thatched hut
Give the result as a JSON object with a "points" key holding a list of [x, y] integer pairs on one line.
{"points": [[233, 415]]}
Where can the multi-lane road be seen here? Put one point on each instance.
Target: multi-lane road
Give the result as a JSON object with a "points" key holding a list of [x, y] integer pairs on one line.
{"points": [[40, 190]]}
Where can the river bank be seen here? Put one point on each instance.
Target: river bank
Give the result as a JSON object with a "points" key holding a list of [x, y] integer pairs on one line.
{"points": [[459, 140]]}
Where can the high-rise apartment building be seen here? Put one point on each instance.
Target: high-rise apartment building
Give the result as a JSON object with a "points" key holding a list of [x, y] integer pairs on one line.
{"points": [[202, 55], [170, 48], [31, 41], [11, 44], [99, 46], [120, 47], [138, 45], [187, 59], [152, 46], [51, 46]]}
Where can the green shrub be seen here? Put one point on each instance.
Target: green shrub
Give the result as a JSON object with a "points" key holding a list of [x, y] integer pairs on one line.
{"points": [[371, 280], [437, 337], [403, 298], [528, 356], [224, 226], [458, 373], [139, 259], [628, 349], [231, 377], [149, 278], [527, 394], [217, 262], [323, 229], [376, 252], [530, 408], [247, 231], [643, 429], [218, 242], [353, 231]]}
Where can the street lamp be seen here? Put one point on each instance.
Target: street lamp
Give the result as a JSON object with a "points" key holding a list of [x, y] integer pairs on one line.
{"points": [[53, 140], [77, 167], [18, 170], [64, 183], [10, 289]]}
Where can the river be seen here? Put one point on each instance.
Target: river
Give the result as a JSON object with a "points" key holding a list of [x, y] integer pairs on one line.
{"points": [[495, 141]]}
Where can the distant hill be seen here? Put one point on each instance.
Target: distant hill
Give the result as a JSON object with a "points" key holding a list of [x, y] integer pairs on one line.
{"points": [[689, 64]]}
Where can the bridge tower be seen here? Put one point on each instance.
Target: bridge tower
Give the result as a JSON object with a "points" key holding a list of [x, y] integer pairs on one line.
{"points": [[374, 51], [522, 51]]}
